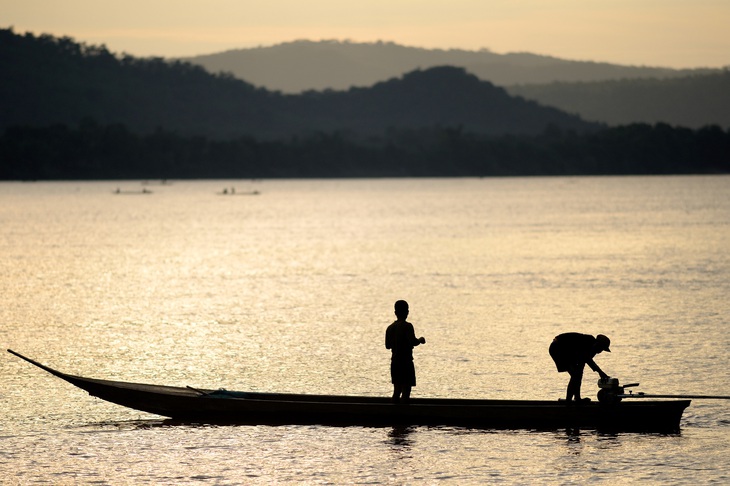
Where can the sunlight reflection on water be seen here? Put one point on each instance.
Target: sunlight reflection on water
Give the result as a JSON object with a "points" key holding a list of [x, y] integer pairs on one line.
{"points": [[291, 291]]}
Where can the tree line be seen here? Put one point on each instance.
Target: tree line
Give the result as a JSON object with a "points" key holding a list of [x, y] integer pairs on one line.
{"points": [[112, 151]]}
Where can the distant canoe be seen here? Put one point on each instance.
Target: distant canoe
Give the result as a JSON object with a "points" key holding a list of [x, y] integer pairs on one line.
{"points": [[142, 191], [226, 192], [185, 404]]}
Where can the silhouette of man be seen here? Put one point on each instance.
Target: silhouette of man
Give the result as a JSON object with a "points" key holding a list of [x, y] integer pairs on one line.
{"points": [[400, 338], [571, 352]]}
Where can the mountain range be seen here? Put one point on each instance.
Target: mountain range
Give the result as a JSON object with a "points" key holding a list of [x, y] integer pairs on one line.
{"points": [[293, 67], [74, 111], [601, 92], [51, 80]]}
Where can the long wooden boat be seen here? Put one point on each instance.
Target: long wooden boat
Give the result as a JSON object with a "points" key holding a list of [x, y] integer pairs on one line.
{"points": [[188, 405]]}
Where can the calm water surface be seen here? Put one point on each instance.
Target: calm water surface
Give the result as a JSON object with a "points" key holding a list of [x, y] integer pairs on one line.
{"points": [[291, 290]]}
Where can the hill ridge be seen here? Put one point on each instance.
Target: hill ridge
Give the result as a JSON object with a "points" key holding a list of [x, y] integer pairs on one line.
{"points": [[55, 80], [302, 65]]}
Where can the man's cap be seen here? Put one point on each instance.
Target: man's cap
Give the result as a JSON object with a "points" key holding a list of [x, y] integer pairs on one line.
{"points": [[603, 342]]}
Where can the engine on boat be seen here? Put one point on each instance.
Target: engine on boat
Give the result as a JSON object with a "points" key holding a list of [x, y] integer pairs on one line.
{"points": [[611, 391]]}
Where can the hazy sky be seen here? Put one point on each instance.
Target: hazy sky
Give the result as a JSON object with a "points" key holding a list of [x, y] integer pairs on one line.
{"points": [[673, 33]]}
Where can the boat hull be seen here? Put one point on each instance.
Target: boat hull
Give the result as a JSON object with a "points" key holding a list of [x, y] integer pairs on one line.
{"points": [[185, 404]]}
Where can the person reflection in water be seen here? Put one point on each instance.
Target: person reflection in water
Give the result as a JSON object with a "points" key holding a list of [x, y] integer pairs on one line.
{"points": [[400, 338], [571, 352]]}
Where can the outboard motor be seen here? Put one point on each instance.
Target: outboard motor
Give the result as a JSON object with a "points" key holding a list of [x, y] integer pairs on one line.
{"points": [[611, 391]]}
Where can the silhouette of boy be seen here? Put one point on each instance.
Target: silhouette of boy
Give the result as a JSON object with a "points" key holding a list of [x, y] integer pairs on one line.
{"points": [[400, 338]]}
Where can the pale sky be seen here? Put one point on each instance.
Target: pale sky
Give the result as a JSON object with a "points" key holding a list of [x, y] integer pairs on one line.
{"points": [[670, 33]]}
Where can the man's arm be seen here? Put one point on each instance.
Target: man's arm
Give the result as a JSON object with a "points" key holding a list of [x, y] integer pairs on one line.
{"points": [[595, 368]]}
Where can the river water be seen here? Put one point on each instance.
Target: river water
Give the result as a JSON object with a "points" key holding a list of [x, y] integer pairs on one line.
{"points": [[291, 289]]}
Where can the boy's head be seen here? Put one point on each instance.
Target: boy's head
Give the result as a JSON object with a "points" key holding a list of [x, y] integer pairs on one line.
{"points": [[401, 309]]}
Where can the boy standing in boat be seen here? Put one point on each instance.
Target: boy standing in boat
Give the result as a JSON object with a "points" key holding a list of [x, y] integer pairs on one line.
{"points": [[400, 338], [571, 351]]}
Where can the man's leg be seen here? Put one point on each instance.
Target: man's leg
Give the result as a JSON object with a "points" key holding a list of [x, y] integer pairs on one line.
{"points": [[576, 378]]}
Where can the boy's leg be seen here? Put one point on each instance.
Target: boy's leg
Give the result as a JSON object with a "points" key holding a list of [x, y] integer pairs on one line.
{"points": [[397, 390]]}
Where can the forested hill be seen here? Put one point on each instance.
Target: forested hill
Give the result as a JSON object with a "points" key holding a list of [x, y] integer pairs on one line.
{"points": [[440, 96], [49, 80], [690, 101]]}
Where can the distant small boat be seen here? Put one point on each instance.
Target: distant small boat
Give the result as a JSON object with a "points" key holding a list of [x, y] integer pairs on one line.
{"points": [[233, 192], [189, 405], [142, 191]]}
